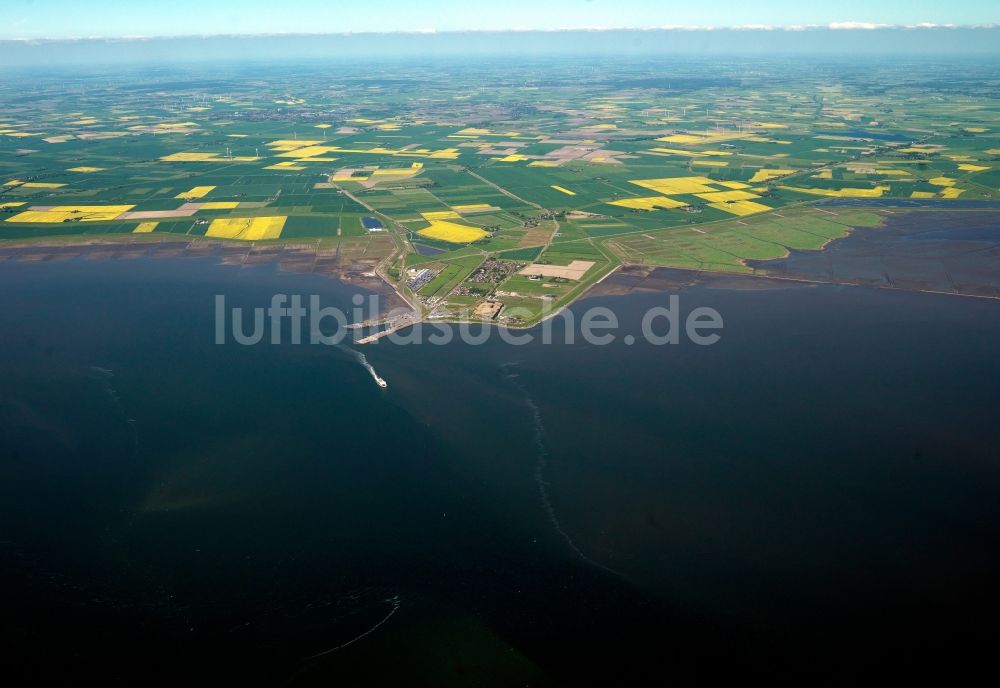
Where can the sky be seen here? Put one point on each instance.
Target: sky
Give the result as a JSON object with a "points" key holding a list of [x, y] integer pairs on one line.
{"points": [[36, 19]]}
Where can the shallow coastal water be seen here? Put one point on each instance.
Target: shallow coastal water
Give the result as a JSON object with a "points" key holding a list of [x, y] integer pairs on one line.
{"points": [[941, 250], [817, 489]]}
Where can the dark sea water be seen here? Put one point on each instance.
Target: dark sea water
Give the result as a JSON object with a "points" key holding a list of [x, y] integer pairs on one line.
{"points": [[813, 499]]}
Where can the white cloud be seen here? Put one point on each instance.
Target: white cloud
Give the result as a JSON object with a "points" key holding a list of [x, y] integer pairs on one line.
{"points": [[848, 25], [856, 25], [684, 27]]}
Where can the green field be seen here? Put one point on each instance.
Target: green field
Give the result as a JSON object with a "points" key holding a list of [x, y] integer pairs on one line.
{"points": [[725, 246], [704, 179]]}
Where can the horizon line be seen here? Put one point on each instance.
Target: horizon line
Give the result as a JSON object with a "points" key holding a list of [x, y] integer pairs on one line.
{"points": [[790, 28]]}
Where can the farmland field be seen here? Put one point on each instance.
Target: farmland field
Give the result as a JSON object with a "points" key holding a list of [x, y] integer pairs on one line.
{"points": [[707, 178]]}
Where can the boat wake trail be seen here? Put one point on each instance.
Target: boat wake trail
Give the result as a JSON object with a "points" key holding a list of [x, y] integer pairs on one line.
{"points": [[363, 362], [540, 467], [394, 601], [104, 375]]}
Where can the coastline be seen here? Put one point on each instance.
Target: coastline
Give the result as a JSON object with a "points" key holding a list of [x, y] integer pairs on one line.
{"points": [[299, 257], [620, 279]]}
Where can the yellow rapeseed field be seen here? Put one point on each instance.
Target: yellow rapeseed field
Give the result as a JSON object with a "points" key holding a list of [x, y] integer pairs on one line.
{"points": [[33, 185], [452, 232], [676, 185], [433, 215], [741, 207], [688, 153], [393, 173], [875, 192], [474, 208], [648, 203], [190, 157], [682, 138], [726, 196], [306, 152], [196, 192], [247, 228], [309, 149], [65, 213], [763, 175]]}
